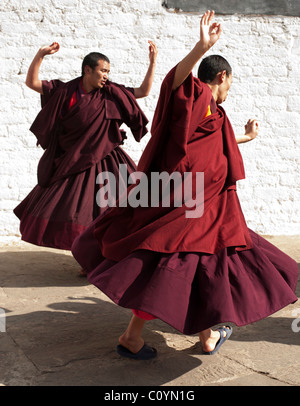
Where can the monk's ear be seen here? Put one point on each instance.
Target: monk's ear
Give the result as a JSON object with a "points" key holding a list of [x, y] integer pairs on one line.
{"points": [[87, 69], [222, 76]]}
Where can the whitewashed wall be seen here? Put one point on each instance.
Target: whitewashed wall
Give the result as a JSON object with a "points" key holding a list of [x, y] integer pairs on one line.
{"points": [[263, 51]]}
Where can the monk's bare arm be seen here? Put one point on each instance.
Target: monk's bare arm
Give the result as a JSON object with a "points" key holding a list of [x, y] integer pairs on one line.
{"points": [[209, 35], [186, 66], [32, 79], [251, 131], [146, 85]]}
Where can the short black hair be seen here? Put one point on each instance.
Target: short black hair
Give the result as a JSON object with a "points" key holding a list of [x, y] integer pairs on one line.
{"points": [[92, 60], [211, 66]]}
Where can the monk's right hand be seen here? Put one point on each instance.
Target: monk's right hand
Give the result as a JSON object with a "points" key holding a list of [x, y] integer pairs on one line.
{"points": [[50, 49], [209, 32]]}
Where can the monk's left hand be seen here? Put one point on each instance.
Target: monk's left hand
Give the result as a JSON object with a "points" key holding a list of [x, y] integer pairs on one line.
{"points": [[152, 52], [251, 129]]}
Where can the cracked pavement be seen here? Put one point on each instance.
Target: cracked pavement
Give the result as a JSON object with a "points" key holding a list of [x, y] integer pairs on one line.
{"points": [[62, 331]]}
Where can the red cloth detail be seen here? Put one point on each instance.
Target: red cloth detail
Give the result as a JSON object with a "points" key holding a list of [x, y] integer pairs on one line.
{"points": [[143, 315]]}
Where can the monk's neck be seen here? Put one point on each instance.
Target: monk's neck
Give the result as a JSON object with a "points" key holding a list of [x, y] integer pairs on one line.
{"points": [[86, 85], [214, 90]]}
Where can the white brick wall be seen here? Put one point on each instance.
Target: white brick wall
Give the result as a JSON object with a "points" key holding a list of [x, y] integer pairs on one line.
{"points": [[263, 51]]}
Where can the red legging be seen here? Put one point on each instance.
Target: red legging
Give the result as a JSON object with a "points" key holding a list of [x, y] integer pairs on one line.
{"points": [[143, 315]]}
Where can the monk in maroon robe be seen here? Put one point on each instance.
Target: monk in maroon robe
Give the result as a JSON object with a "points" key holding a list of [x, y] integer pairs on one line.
{"points": [[79, 129], [191, 272]]}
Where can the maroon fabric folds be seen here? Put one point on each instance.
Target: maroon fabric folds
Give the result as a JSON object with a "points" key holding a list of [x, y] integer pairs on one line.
{"points": [[80, 141], [191, 291], [56, 215], [76, 138], [184, 140], [192, 273], [180, 128]]}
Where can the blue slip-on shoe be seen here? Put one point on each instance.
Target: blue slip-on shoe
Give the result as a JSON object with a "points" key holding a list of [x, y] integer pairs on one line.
{"points": [[145, 352], [222, 339]]}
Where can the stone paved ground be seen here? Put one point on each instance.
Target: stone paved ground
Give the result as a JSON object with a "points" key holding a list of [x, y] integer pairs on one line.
{"points": [[62, 331]]}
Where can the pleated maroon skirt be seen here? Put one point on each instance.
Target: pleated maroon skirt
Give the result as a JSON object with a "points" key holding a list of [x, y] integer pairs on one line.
{"points": [[56, 215], [194, 291]]}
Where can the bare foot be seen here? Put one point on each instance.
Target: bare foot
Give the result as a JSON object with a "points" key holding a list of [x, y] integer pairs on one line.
{"points": [[132, 337], [133, 344], [209, 339]]}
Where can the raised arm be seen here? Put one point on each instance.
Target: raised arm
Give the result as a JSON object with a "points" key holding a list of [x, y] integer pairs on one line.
{"points": [[209, 35], [251, 131], [32, 79], [146, 85]]}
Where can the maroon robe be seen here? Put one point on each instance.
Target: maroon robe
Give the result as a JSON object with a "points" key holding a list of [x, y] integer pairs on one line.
{"points": [[80, 141], [192, 273], [184, 140]]}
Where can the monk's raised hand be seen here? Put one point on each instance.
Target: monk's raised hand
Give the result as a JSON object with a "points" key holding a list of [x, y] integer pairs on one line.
{"points": [[152, 51], [209, 32], [50, 49]]}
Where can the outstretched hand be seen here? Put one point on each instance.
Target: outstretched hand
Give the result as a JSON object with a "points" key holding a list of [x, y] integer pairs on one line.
{"points": [[251, 129], [152, 52], [209, 32], [146, 85], [209, 35], [50, 49]]}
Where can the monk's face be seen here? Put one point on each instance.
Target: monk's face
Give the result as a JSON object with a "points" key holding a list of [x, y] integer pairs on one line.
{"points": [[97, 77], [223, 89]]}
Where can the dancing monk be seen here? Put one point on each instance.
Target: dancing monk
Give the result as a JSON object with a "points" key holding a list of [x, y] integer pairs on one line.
{"points": [[79, 129], [191, 272]]}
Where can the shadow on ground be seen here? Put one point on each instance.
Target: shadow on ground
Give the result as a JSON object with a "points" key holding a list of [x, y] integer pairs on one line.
{"points": [[70, 339]]}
